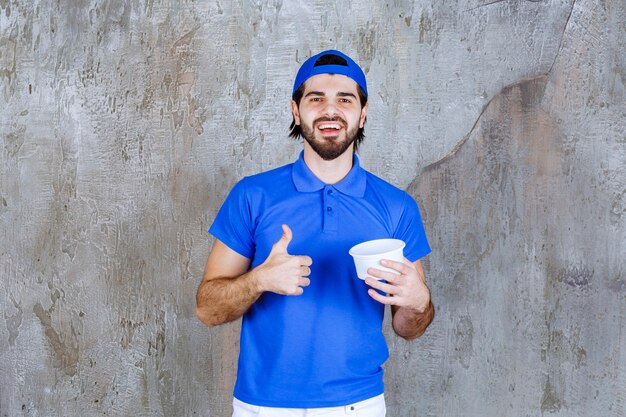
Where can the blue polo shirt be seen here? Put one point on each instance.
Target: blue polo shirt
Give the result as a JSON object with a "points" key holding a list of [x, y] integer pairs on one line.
{"points": [[324, 348]]}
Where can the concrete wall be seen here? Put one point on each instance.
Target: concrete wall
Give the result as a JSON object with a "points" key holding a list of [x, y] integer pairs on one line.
{"points": [[124, 123]]}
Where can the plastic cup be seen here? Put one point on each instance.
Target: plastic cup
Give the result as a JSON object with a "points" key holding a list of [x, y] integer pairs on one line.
{"points": [[369, 254]]}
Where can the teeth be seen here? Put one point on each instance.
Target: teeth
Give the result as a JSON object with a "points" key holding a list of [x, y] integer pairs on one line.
{"points": [[329, 126]]}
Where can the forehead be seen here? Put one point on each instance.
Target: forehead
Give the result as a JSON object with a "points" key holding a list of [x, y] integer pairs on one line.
{"points": [[329, 83]]}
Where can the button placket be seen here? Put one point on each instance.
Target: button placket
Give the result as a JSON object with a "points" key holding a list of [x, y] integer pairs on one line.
{"points": [[330, 215]]}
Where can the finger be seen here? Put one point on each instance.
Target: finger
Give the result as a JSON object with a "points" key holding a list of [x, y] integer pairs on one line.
{"points": [[298, 291], [386, 275], [401, 267], [305, 271], [305, 260], [382, 286], [304, 282], [282, 244], [380, 298]]}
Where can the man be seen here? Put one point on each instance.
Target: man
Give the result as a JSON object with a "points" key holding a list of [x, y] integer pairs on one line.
{"points": [[311, 337]]}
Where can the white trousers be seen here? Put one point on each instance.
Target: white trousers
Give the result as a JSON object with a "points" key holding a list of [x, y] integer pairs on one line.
{"points": [[373, 407]]}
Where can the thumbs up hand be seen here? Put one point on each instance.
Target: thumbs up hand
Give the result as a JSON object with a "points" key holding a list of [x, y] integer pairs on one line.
{"points": [[281, 272]]}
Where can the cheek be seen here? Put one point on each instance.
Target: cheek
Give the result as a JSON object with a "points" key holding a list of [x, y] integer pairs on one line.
{"points": [[356, 119], [305, 118]]}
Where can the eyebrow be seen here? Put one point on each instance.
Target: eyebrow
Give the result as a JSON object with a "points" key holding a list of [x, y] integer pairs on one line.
{"points": [[321, 93]]}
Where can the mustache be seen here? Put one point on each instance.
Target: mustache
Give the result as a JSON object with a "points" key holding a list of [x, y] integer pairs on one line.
{"points": [[330, 119]]}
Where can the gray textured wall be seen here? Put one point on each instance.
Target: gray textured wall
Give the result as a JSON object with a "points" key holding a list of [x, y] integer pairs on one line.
{"points": [[124, 124]]}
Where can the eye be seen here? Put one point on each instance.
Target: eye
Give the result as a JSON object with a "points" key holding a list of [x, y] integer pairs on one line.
{"points": [[345, 100]]}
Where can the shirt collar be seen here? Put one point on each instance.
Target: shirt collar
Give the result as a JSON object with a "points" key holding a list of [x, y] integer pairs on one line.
{"points": [[353, 184]]}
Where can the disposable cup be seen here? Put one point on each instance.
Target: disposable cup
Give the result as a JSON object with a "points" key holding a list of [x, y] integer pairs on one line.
{"points": [[369, 254]]}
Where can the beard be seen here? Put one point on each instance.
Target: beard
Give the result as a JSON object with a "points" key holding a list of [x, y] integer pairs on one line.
{"points": [[329, 149]]}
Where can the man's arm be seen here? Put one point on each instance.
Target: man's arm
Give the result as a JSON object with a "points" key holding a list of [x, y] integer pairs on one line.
{"points": [[228, 289], [411, 307], [411, 323]]}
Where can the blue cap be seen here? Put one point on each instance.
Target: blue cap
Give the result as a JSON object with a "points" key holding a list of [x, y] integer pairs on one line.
{"points": [[350, 70]]}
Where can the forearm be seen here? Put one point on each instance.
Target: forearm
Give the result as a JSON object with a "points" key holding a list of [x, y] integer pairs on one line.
{"points": [[410, 324], [227, 291], [221, 300]]}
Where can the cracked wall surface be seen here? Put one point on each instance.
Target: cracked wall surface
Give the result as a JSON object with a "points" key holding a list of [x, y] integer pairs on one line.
{"points": [[124, 124], [529, 217]]}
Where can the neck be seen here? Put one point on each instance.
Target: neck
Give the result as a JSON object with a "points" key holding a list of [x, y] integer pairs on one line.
{"points": [[329, 172]]}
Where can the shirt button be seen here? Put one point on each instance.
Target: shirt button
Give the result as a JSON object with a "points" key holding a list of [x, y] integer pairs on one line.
{"points": [[330, 191], [329, 209]]}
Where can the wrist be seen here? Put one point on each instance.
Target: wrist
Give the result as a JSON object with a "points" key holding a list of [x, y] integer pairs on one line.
{"points": [[421, 309], [255, 279]]}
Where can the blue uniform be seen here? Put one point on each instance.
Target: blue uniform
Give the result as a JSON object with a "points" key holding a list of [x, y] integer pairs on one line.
{"points": [[324, 348]]}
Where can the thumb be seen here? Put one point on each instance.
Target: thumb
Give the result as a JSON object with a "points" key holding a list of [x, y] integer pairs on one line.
{"points": [[284, 240]]}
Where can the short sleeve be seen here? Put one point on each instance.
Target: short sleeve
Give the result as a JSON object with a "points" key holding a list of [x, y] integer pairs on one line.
{"points": [[233, 224], [410, 229]]}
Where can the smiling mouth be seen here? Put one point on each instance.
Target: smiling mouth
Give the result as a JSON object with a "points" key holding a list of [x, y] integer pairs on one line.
{"points": [[329, 128]]}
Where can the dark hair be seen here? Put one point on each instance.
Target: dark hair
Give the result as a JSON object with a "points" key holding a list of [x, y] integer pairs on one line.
{"points": [[330, 59], [295, 131]]}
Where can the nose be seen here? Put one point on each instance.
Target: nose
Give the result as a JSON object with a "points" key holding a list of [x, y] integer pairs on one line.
{"points": [[330, 110]]}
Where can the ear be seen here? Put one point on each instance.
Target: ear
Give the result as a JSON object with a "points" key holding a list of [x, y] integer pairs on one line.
{"points": [[296, 112], [363, 115]]}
